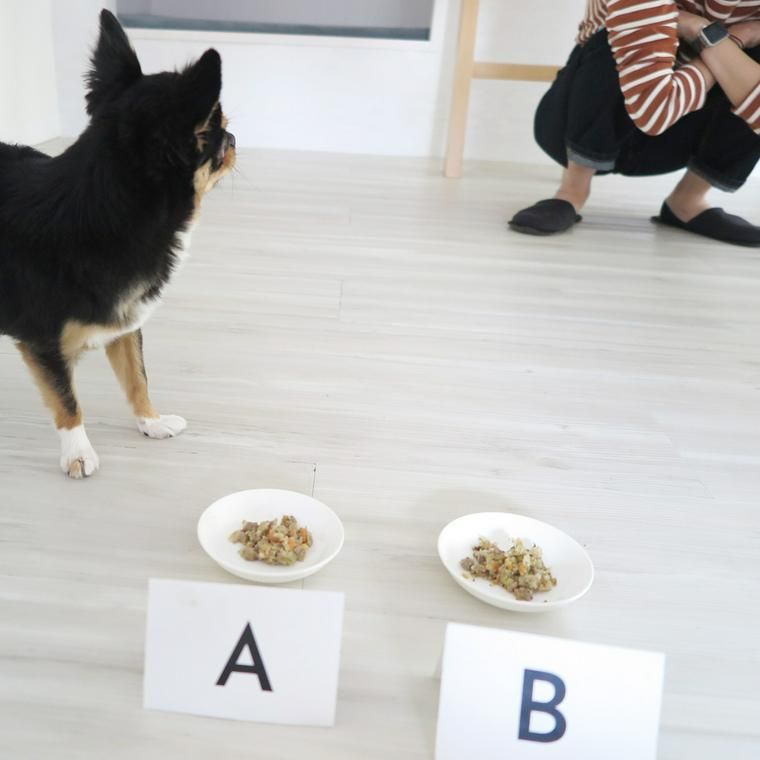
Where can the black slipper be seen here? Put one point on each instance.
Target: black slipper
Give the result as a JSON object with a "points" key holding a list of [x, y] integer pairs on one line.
{"points": [[545, 218], [714, 223]]}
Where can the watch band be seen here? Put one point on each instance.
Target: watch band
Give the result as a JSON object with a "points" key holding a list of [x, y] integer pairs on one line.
{"points": [[710, 36]]}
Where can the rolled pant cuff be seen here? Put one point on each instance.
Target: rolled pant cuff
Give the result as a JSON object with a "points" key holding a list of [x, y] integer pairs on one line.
{"points": [[600, 164], [721, 183]]}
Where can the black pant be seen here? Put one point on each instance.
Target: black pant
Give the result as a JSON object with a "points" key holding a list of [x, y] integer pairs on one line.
{"points": [[583, 117]]}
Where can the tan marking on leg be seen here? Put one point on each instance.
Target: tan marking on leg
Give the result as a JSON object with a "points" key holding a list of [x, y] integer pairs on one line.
{"points": [[126, 357], [65, 417], [75, 337]]}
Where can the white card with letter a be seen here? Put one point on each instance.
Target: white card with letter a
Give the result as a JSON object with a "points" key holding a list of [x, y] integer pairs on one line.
{"points": [[514, 695], [244, 652]]}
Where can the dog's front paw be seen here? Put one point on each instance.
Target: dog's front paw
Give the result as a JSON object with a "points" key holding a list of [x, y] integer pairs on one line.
{"points": [[163, 426], [78, 458]]}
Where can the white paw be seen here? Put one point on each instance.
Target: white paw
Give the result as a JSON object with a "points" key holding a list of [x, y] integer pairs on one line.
{"points": [[78, 458], [163, 426]]}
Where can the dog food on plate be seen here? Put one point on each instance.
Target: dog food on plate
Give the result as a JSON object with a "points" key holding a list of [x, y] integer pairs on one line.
{"points": [[277, 542], [520, 570]]}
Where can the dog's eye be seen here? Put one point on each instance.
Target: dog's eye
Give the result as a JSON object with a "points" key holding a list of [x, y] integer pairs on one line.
{"points": [[213, 125]]}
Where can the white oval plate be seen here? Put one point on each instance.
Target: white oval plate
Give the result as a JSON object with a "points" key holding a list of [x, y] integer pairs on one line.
{"points": [[566, 558], [226, 515]]}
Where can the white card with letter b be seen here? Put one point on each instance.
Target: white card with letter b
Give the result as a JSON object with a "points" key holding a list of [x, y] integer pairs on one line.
{"points": [[243, 652], [514, 695]]}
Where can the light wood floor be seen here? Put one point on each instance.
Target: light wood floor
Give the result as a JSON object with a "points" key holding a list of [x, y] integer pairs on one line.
{"points": [[366, 331]]}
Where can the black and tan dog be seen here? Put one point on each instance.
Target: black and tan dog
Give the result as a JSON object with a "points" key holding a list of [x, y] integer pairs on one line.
{"points": [[89, 239]]}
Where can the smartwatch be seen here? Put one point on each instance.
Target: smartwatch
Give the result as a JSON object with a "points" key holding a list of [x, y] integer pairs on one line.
{"points": [[709, 36]]}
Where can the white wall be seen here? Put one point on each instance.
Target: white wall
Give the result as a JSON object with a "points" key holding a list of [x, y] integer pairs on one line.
{"points": [[369, 96], [501, 113], [395, 13], [75, 23], [346, 95], [28, 100]]}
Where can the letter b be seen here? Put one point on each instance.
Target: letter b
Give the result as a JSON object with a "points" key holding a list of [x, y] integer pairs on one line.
{"points": [[529, 705]]}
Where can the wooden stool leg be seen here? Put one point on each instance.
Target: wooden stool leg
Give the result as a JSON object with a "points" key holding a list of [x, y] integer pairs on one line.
{"points": [[468, 28]]}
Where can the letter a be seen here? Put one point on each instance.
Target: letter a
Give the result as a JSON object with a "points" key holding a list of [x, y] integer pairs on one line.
{"points": [[529, 705], [233, 666]]}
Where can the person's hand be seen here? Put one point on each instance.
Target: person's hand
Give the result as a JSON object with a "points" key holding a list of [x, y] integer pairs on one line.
{"points": [[748, 32], [690, 25]]}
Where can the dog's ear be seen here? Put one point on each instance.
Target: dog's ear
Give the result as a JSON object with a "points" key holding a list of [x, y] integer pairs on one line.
{"points": [[114, 64], [201, 87]]}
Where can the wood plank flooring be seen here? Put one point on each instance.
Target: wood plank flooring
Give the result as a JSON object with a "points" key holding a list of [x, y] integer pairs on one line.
{"points": [[364, 330]]}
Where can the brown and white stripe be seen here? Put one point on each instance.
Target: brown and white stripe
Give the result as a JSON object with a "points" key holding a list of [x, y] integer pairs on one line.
{"points": [[643, 35]]}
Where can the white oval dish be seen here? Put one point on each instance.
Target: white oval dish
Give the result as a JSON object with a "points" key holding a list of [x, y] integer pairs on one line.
{"points": [[226, 515], [567, 559]]}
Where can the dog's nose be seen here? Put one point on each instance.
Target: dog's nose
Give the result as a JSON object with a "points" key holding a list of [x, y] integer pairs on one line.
{"points": [[230, 140]]}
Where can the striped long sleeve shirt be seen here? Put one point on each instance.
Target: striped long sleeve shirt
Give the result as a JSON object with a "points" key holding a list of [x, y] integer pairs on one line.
{"points": [[643, 35]]}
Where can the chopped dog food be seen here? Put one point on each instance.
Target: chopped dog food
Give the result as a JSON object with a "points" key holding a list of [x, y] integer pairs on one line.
{"points": [[276, 542], [520, 570]]}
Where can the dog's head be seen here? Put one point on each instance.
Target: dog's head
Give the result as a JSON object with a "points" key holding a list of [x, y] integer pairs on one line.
{"points": [[171, 124]]}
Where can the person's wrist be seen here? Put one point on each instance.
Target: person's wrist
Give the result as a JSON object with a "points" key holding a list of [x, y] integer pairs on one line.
{"points": [[699, 24], [743, 34], [710, 36]]}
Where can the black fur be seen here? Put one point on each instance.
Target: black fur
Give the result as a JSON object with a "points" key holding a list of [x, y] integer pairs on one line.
{"points": [[88, 239], [95, 228], [81, 230], [58, 373], [114, 65]]}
